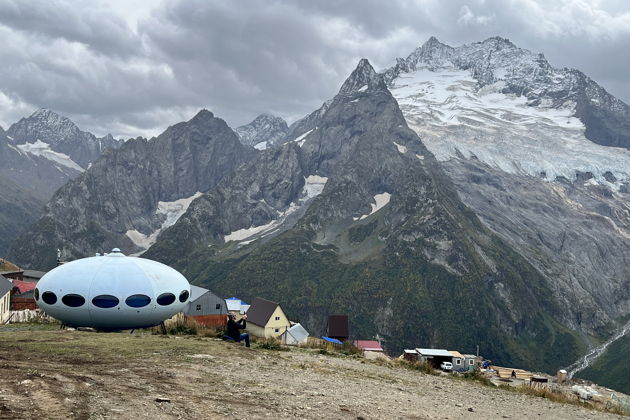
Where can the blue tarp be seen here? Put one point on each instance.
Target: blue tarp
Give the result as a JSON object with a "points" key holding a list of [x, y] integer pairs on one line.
{"points": [[332, 340]]}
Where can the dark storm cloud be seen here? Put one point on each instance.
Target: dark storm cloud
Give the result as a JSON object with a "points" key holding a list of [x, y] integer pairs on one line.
{"points": [[136, 75]]}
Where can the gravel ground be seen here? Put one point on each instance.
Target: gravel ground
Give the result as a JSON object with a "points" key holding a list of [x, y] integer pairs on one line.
{"points": [[59, 374]]}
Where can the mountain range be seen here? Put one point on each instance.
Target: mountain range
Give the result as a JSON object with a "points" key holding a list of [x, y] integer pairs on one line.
{"points": [[466, 195], [39, 154]]}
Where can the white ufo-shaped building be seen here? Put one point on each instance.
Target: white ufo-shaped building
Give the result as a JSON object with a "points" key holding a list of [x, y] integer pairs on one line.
{"points": [[112, 292]]}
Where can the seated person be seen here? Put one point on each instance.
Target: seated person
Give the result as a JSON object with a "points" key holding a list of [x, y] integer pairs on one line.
{"points": [[234, 327]]}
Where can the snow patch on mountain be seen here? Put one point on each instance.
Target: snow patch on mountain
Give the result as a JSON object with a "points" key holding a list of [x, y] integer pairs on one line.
{"points": [[314, 185], [262, 230], [454, 118], [39, 148], [239, 235], [171, 211], [302, 138], [401, 149], [380, 201]]}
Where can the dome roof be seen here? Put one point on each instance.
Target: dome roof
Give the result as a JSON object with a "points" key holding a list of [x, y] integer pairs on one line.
{"points": [[117, 278]]}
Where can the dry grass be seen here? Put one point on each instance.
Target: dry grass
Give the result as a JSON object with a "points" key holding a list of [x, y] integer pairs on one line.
{"points": [[563, 398], [8, 265]]}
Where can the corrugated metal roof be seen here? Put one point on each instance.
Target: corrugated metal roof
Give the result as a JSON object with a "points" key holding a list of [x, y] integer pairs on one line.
{"points": [[338, 326], [412, 351], [298, 332], [196, 292], [368, 345], [457, 354], [470, 356], [260, 311], [434, 352], [34, 274], [24, 286], [233, 304], [5, 286]]}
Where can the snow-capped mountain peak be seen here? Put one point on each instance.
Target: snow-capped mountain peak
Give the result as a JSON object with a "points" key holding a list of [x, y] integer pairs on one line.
{"points": [[509, 108], [62, 135], [49, 126]]}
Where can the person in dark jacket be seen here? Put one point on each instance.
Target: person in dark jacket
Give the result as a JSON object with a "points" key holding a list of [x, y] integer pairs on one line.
{"points": [[233, 329]]}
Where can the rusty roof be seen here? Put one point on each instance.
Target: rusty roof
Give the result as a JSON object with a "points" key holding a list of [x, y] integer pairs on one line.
{"points": [[455, 353]]}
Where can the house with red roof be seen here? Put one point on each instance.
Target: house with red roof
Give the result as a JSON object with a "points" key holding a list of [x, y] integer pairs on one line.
{"points": [[371, 348]]}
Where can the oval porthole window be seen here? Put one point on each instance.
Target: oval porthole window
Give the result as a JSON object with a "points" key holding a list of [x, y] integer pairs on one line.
{"points": [[183, 296], [105, 301], [73, 300], [49, 298], [138, 301], [36, 293], [166, 299]]}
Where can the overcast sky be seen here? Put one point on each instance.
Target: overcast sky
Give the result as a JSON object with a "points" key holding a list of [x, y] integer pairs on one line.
{"points": [[134, 67]]}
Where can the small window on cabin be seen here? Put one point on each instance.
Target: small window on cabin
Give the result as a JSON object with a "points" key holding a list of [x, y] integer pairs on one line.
{"points": [[471, 362], [138, 301], [105, 301], [73, 300], [458, 361], [183, 296], [277, 319], [198, 307], [277, 330], [36, 294], [49, 298], [165, 299], [218, 307]]}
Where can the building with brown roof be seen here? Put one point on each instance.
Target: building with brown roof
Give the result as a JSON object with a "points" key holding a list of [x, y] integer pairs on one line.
{"points": [[266, 319], [338, 327]]}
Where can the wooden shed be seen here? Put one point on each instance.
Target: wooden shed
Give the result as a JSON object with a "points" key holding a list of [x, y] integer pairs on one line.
{"points": [[338, 327]]}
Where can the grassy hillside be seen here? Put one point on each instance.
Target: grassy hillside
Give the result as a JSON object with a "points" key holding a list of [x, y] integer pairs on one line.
{"points": [[400, 296]]}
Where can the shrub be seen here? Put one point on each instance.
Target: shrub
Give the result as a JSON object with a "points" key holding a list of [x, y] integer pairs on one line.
{"points": [[270, 344]]}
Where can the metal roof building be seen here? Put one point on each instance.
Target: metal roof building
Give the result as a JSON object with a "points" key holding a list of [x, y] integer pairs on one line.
{"points": [[295, 335], [204, 302]]}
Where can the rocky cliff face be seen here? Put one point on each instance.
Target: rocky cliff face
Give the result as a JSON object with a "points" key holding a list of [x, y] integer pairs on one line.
{"points": [[47, 128], [265, 131], [356, 216], [129, 195], [22, 197], [509, 132]]}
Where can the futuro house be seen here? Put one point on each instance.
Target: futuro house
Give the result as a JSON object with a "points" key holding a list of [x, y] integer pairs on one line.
{"points": [[112, 292]]}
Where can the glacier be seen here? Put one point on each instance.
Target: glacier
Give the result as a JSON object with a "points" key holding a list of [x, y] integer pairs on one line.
{"points": [[455, 118], [39, 148]]}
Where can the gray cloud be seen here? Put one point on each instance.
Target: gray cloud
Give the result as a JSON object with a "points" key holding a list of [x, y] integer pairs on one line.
{"points": [[135, 71]]}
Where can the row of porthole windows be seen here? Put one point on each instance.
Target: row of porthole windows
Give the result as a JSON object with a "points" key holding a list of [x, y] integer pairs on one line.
{"points": [[108, 301]]}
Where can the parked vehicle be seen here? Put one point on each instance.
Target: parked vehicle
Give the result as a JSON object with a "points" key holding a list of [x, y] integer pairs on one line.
{"points": [[446, 366]]}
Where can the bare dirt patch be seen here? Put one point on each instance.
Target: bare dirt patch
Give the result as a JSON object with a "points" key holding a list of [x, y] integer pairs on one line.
{"points": [[72, 374]]}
